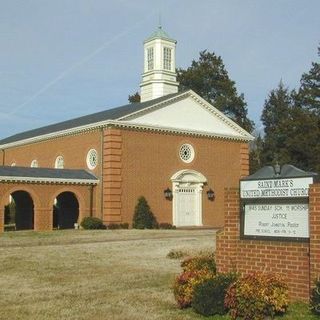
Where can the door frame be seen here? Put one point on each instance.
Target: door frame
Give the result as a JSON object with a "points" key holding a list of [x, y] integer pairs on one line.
{"points": [[187, 178]]}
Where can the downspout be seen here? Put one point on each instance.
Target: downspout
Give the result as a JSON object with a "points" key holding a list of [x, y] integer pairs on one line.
{"points": [[3, 157], [101, 174], [91, 200]]}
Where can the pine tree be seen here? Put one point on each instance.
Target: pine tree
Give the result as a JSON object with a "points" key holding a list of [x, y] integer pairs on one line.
{"points": [[143, 218], [305, 145], [275, 118], [255, 154], [209, 78], [309, 93]]}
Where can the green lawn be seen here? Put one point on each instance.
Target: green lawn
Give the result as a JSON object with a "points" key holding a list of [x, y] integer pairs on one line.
{"points": [[77, 274]]}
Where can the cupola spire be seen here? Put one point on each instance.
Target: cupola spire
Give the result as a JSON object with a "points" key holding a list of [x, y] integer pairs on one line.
{"points": [[159, 76]]}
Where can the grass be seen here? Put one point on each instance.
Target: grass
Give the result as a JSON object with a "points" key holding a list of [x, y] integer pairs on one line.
{"points": [[118, 274]]}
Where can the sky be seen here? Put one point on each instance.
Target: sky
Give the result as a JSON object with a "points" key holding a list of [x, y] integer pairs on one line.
{"points": [[63, 59]]}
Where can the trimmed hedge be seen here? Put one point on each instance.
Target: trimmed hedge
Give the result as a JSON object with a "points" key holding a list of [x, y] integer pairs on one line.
{"points": [[92, 223]]}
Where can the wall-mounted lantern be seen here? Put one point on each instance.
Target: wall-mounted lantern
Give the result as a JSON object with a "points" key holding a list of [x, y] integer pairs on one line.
{"points": [[210, 194], [168, 194]]}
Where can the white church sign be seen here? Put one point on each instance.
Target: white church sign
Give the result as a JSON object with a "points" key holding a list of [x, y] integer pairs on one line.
{"points": [[277, 220], [275, 188], [276, 207]]}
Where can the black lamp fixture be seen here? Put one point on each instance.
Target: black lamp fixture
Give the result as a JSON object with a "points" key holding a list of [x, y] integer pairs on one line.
{"points": [[210, 194], [168, 194], [277, 169]]}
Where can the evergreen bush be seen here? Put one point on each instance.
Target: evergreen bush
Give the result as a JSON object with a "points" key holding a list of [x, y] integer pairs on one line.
{"points": [[166, 225], [143, 218], [208, 298], [92, 223], [315, 298]]}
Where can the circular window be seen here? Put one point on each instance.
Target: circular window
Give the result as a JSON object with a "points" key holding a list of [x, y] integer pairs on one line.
{"points": [[186, 153], [92, 159]]}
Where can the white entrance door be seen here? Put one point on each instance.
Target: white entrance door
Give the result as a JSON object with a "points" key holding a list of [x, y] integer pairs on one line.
{"points": [[187, 198], [187, 207]]}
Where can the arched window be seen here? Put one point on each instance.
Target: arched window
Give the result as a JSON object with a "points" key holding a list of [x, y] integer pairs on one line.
{"points": [[34, 164], [59, 163]]}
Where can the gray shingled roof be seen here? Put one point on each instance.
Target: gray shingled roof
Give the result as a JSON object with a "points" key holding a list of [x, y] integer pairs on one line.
{"points": [[287, 171], [111, 114], [47, 174]]}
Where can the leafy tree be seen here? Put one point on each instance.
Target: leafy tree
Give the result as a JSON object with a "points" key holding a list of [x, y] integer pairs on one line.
{"points": [[143, 218], [275, 118], [209, 78], [134, 97]]}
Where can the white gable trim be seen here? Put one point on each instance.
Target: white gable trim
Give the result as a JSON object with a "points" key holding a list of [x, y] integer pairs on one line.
{"points": [[123, 123], [214, 111]]}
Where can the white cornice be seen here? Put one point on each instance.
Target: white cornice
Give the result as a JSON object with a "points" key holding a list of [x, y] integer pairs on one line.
{"points": [[48, 180]]}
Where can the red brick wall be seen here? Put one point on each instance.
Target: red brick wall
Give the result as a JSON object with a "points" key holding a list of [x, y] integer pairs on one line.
{"points": [[314, 209], [73, 148], [43, 196], [291, 259], [149, 159]]}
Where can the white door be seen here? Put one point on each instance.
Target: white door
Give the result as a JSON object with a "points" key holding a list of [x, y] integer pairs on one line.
{"points": [[187, 207], [187, 188]]}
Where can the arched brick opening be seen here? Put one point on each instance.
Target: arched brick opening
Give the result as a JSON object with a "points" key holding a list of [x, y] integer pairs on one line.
{"points": [[26, 203], [65, 211], [19, 212], [77, 195]]}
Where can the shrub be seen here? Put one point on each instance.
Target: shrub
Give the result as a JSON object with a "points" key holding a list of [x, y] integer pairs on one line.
{"points": [[113, 226], [256, 296], [183, 288], [92, 223], [315, 298], [176, 254], [195, 270], [203, 261], [208, 298], [165, 225], [143, 218]]}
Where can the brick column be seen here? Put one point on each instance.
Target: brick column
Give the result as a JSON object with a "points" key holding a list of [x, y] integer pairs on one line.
{"points": [[1, 219], [314, 218], [112, 179], [43, 219], [244, 160], [226, 242]]}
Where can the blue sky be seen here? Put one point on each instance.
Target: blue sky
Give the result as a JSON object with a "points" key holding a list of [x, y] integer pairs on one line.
{"points": [[63, 59]]}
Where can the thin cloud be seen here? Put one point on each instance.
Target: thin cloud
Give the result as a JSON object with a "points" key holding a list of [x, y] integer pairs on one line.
{"points": [[78, 64]]}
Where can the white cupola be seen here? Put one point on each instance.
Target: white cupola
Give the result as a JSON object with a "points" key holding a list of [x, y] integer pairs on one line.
{"points": [[159, 77]]}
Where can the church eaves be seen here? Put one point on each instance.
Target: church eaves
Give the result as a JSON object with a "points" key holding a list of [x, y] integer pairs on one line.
{"points": [[122, 117]]}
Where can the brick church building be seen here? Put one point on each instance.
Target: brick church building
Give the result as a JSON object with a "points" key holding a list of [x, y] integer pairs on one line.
{"points": [[100, 164]]}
